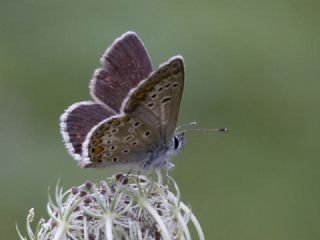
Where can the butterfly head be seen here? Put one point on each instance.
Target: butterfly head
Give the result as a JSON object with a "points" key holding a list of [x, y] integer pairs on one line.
{"points": [[178, 142]]}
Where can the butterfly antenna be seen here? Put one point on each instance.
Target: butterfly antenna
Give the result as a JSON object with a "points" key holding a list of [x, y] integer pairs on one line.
{"points": [[206, 130], [188, 128]]}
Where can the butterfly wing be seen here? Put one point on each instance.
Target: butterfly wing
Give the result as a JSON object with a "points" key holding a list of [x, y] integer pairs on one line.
{"points": [[124, 64], [156, 100], [147, 122], [77, 121], [119, 140]]}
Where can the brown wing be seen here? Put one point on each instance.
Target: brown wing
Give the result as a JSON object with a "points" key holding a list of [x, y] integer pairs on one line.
{"points": [[77, 121], [125, 63], [156, 100], [118, 140]]}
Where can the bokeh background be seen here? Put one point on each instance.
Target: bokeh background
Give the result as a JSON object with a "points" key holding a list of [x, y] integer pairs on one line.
{"points": [[251, 66]]}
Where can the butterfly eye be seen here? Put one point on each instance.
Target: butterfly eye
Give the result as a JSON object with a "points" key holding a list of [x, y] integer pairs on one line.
{"points": [[176, 142]]}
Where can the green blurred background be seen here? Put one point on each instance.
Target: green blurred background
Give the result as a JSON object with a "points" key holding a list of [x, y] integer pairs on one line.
{"points": [[251, 66]]}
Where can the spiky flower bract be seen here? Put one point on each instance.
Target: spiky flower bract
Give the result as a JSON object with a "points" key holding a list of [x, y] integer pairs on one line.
{"points": [[122, 207]]}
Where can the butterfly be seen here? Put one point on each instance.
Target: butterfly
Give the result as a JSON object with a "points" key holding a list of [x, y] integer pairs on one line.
{"points": [[133, 116]]}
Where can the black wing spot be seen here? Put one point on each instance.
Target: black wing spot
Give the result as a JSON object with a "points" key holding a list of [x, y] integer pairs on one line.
{"points": [[150, 104], [166, 99], [147, 133], [136, 124]]}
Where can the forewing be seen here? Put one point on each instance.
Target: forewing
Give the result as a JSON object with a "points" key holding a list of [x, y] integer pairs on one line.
{"points": [[118, 140], [125, 63], [156, 100], [77, 121]]}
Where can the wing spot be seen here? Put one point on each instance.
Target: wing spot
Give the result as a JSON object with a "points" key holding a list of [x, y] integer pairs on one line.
{"points": [[114, 130], [147, 87], [153, 96], [175, 85], [147, 133], [108, 154], [167, 85], [134, 143], [99, 134], [109, 142], [155, 79], [166, 99], [150, 104], [128, 138], [136, 124], [97, 150], [175, 68], [116, 122], [160, 89], [140, 95], [125, 151], [96, 141], [131, 130], [115, 159], [112, 148], [126, 119], [166, 73], [175, 65], [104, 128], [96, 158]]}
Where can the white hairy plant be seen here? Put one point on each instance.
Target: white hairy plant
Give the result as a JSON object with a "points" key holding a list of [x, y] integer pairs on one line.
{"points": [[122, 207]]}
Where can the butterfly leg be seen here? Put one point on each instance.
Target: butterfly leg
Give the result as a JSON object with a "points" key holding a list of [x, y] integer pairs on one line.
{"points": [[129, 172], [169, 167]]}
